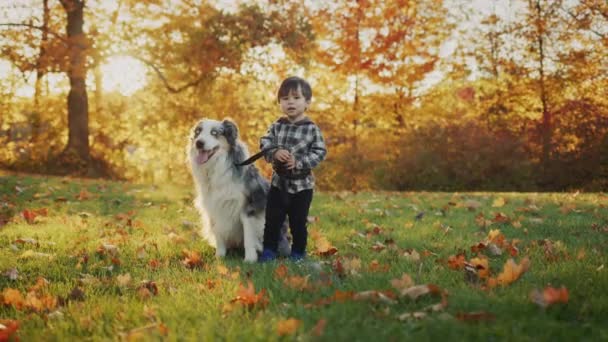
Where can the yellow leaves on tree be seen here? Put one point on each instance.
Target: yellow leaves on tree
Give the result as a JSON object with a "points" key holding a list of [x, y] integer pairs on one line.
{"points": [[511, 272]]}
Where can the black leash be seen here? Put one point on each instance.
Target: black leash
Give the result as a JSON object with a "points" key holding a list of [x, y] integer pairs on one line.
{"points": [[255, 157]]}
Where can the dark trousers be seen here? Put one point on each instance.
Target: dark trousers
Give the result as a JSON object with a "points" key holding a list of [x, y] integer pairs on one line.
{"points": [[281, 204]]}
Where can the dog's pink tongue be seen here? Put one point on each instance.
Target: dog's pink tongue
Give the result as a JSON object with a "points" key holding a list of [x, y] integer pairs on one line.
{"points": [[202, 157]]}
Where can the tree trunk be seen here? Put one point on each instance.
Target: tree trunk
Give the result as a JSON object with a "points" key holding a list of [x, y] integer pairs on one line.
{"points": [[41, 63], [546, 123], [78, 107]]}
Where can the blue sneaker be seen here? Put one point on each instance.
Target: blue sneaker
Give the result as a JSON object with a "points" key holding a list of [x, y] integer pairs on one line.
{"points": [[267, 255], [295, 256]]}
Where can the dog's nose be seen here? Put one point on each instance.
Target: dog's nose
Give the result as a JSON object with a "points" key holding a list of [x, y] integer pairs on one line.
{"points": [[200, 145]]}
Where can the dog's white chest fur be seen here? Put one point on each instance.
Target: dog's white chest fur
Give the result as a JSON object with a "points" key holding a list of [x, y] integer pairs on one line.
{"points": [[221, 195]]}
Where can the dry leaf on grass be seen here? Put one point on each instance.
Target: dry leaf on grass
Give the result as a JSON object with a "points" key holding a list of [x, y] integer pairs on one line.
{"points": [[288, 326], [8, 330], [456, 262], [247, 297], [549, 296], [319, 328], [510, 273], [402, 283], [192, 259]]}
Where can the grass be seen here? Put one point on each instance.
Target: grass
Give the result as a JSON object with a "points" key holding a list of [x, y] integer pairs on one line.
{"points": [[149, 231]]}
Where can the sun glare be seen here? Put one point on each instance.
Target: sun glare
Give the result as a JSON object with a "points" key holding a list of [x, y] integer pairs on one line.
{"points": [[123, 74]]}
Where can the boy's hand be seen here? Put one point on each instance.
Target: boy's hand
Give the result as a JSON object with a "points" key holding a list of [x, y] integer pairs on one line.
{"points": [[283, 156], [291, 163]]}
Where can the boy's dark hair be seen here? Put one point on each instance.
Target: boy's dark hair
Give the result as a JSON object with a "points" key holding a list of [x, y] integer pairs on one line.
{"points": [[292, 83]]}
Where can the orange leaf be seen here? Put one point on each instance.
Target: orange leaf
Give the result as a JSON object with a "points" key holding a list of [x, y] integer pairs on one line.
{"points": [[281, 271], [13, 297], [248, 298], [549, 296], [511, 272], [297, 283], [456, 262], [8, 333], [288, 326], [319, 328], [83, 195], [482, 267], [29, 216], [191, 259]]}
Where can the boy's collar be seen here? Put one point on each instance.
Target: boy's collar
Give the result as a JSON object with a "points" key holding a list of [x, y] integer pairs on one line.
{"points": [[305, 121]]}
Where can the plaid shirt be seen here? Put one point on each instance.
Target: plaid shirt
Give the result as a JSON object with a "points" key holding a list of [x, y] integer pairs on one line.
{"points": [[303, 139]]}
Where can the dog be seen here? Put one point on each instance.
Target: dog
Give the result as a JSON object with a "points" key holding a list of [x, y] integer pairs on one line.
{"points": [[231, 199]]}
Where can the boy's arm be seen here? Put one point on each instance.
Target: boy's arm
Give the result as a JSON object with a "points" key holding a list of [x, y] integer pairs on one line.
{"points": [[267, 141], [316, 153]]}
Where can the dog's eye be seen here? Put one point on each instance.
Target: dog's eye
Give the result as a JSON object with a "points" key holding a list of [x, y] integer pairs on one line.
{"points": [[197, 131], [214, 132]]}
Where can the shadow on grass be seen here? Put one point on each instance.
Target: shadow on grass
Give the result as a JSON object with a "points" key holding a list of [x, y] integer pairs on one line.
{"points": [[74, 195]]}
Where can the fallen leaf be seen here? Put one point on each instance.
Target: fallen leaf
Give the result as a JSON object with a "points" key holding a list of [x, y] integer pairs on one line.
{"points": [[412, 315], [324, 248], [12, 274], [281, 271], [297, 283], [416, 291], [498, 202], [319, 328], [411, 255], [288, 326], [478, 316], [374, 296], [549, 296], [77, 294], [456, 262], [482, 267], [247, 296], [13, 297], [402, 283], [192, 259], [123, 280], [511, 272], [83, 195], [8, 330]]}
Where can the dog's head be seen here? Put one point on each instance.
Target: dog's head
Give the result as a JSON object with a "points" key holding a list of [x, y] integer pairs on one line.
{"points": [[209, 138]]}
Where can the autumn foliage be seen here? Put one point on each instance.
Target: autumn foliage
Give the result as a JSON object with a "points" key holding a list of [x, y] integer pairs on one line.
{"points": [[409, 94]]}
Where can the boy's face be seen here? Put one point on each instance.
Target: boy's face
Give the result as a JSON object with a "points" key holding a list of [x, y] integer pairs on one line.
{"points": [[294, 104]]}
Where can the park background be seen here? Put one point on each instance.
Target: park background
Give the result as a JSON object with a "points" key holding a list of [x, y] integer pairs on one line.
{"points": [[434, 95]]}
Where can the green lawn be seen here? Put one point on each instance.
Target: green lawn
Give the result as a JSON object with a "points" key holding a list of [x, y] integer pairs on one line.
{"points": [[99, 260]]}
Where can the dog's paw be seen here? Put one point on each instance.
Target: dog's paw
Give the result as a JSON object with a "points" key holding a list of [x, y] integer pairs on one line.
{"points": [[251, 259], [220, 253], [251, 255]]}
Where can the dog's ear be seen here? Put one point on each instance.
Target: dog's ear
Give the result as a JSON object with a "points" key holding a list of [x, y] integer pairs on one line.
{"points": [[230, 131]]}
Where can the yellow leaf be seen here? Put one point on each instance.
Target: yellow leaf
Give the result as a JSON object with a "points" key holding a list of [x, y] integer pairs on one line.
{"points": [[481, 264], [124, 279], [510, 273], [288, 326], [498, 202]]}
